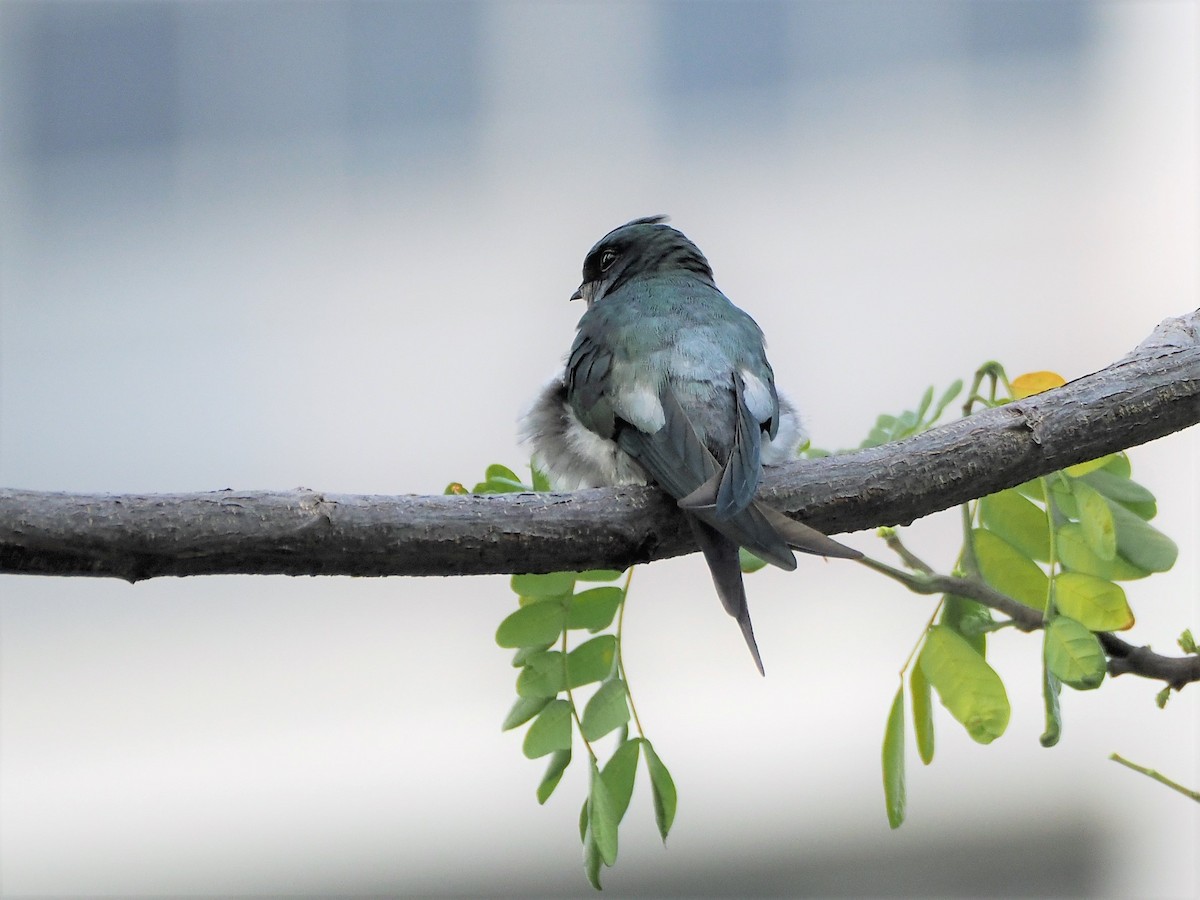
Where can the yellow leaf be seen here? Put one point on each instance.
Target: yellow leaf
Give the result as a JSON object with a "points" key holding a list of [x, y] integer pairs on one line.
{"points": [[1034, 383]]}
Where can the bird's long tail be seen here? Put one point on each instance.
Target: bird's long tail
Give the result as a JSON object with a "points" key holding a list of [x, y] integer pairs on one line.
{"points": [[721, 554]]}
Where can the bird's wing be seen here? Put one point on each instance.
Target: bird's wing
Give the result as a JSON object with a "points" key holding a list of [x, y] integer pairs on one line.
{"points": [[589, 366], [676, 459], [743, 466]]}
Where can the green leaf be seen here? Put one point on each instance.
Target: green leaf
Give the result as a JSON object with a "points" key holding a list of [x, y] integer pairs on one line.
{"points": [[968, 617], [602, 817], [966, 684], [599, 575], [606, 710], [543, 675], [1060, 493], [594, 609], [537, 624], [524, 654], [550, 731], [1050, 691], [1187, 643], [591, 859], [1032, 490], [554, 773], [1073, 654], [1114, 487], [619, 774], [893, 762], [1096, 519], [947, 397], [1118, 464], [1074, 555], [922, 701], [541, 484], [926, 402], [553, 584], [1141, 543], [1009, 570], [1080, 469], [1095, 603], [591, 661], [662, 786], [499, 486], [523, 710], [748, 561], [497, 472], [1020, 522]]}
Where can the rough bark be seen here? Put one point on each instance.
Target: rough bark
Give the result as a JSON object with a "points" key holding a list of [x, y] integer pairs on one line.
{"points": [[1152, 392]]}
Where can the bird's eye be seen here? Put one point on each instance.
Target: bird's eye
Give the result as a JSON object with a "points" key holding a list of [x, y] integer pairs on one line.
{"points": [[607, 259]]}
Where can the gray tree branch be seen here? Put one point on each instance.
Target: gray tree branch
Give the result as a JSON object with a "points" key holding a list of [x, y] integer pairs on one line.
{"points": [[1152, 392]]}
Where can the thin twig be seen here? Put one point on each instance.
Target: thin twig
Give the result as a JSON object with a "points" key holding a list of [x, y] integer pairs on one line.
{"points": [[1157, 776]]}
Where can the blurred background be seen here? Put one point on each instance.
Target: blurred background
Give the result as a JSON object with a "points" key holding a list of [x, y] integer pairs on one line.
{"points": [[268, 245]]}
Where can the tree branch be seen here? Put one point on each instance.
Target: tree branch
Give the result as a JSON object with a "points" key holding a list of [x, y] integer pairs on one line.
{"points": [[1123, 658], [1153, 391]]}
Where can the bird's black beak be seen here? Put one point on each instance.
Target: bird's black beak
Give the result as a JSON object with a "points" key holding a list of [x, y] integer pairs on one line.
{"points": [[587, 292]]}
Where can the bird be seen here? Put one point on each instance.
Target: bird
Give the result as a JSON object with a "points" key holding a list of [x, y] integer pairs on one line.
{"points": [[668, 383]]}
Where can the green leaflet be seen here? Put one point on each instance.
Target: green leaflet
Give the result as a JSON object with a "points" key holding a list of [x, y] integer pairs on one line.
{"points": [[543, 675], [523, 710], [594, 609], [541, 483], [1128, 493], [1050, 690], [602, 817], [1073, 654], [619, 774], [1141, 543], [1021, 523], [968, 618], [748, 561], [922, 702], [1009, 570], [1097, 604], [1096, 519], [663, 788], [1080, 469], [536, 624], [550, 731], [966, 684], [591, 859], [893, 762], [553, 584], [599, 575], [606, 710], [591, 661], [1074, 555], [554, 773]]}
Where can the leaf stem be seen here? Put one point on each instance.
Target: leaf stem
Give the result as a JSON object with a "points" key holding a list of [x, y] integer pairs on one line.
{"points": [[621, 655], [1160, 778], [571, 699]]}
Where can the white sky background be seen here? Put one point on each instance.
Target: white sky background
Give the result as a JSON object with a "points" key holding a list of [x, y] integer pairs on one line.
{"points": [[280, 309]]}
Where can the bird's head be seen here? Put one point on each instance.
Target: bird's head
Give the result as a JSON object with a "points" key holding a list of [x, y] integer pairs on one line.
{"points": [[638, 248]]}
